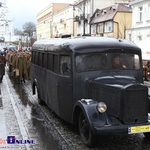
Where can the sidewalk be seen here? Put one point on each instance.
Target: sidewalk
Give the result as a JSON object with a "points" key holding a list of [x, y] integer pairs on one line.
{"points": [[14, 121], [8, 120], [2, 120]]}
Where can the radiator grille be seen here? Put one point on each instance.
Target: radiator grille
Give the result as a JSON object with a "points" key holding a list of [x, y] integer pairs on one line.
{"points": [[135, 106]]}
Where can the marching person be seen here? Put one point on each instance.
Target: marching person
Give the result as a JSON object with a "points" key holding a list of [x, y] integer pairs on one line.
{"points": [[2, 67]]}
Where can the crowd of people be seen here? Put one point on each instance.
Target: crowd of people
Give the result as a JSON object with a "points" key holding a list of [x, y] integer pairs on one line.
{"points": [[18, 63]]}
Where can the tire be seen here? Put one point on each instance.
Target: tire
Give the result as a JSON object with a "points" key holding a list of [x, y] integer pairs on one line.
{"points": [[85, 131], [147, 135]]}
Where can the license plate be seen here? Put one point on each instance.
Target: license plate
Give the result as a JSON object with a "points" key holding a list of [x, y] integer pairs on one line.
{"points": [[139, 129]]}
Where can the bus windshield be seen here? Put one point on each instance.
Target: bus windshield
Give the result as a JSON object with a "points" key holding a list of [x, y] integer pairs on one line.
{"points": [[104, 61]]}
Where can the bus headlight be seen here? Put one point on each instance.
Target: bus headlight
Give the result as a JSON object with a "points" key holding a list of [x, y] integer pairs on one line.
{"points": [[101, 107]]}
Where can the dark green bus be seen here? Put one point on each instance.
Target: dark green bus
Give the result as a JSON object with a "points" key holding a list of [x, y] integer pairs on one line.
{"points": [[95, 83]]}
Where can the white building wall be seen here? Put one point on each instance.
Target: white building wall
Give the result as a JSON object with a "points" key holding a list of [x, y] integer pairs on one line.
{"points": [[66, 26], [140, 31], [140, 28], [90, 7], [6, 25]]}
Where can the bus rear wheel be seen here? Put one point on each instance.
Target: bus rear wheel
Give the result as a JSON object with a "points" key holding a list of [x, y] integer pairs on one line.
{"points": [[85, 131]]}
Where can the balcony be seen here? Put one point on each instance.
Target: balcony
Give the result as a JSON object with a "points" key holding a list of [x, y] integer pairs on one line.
{"points": [[82, 16], [76, 19]]}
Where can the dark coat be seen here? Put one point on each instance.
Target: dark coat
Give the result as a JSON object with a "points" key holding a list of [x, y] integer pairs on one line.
{"points": [[2, 65]]}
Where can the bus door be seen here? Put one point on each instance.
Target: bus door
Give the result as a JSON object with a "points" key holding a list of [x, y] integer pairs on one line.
{"points": [[65, 88]]}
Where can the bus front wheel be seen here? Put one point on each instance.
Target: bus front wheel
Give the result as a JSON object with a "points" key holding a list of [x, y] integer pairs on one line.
{"points": [[85, 131]]}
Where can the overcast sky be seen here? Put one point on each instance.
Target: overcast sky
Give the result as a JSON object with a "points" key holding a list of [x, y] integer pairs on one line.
{"points": [[22, 11]]}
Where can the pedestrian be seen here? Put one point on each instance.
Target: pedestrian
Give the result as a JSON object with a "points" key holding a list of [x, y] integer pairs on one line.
{"points": [[20, 65], [2, 67]]}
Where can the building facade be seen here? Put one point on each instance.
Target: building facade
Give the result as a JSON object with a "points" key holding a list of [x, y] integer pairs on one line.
{"points": [[139, 33], [57, 19], [111, 21], [6, 25], [86, 8], [44, 26], [63, 24]]}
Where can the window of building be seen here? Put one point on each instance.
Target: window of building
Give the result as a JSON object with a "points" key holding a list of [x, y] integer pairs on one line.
{"points": [[109, 26], [97, 14], [93, 29], [130, 36], [100, 28], [139, 38], [148, 12], [140, 13]]}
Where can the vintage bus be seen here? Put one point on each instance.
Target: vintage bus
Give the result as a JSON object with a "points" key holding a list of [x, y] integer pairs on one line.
{"points": [[78, 80]]}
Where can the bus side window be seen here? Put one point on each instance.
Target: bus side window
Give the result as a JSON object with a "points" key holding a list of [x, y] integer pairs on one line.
{"points": [[137, 62], [55, 63], [65, 59], [40, 59], [36, 58], [45, 60], [33, 58], [50, 62]]}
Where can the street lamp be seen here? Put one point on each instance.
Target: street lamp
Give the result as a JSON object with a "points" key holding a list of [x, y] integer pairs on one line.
{"points": [[82, 17], [51, 28], [27, 39]]}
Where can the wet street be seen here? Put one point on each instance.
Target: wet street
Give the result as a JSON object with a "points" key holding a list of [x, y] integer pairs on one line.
{"points": [[26, 120]]}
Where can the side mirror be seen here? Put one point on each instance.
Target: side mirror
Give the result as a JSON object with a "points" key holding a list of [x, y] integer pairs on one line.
{"points": [[64, 67]]}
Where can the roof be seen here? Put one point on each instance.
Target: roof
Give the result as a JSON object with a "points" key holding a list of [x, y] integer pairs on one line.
{"points": [[108, 13], [84, 44]]}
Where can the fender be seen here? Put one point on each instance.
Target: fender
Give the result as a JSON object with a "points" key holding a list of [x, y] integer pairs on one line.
{"points": [[89, 109]]}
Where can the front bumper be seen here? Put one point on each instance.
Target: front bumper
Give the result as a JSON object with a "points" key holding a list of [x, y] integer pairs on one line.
{"points": [[120, 128]]}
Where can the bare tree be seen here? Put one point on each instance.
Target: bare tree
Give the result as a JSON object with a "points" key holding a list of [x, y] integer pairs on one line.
{"points": [[18, 32], [29, 28]]}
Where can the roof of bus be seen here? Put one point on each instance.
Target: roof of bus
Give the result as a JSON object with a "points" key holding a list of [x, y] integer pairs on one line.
{"points": [[83, 44]]}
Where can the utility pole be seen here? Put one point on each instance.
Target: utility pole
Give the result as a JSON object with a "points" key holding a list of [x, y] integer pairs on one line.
{"points": [[83, 17]]}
